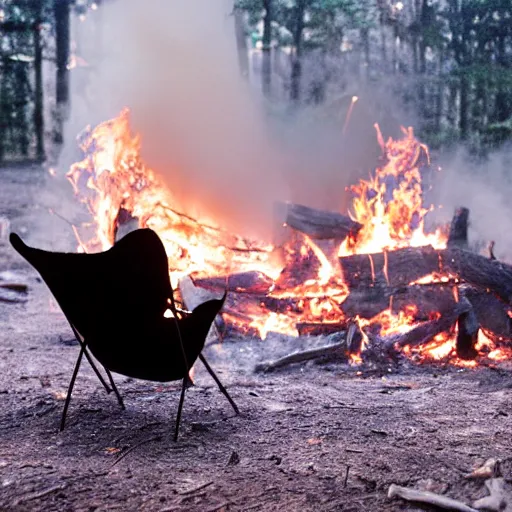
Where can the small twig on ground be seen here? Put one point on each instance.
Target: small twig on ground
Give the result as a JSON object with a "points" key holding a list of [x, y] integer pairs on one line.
{"points": [[184, 499], [353, 450], [198, 488], [218, 507], [346, 477], [428, 497], [40, 494], [129, 450]]}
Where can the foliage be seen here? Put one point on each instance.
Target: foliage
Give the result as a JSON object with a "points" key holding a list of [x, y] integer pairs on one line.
{"points": [[452, 58]]}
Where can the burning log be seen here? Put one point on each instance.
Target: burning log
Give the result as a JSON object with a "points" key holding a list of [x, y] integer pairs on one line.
{"points": [[426, 299], [492, 313], [395, 268], [252, 304], [243, 282], [192, 295], [426, 331], [318, 224], [320, 328], [479, 271], [404, 266], [467, 329], [458, 236], [467, 335]]}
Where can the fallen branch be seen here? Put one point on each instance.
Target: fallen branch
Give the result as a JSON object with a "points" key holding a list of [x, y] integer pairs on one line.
{"points": [[319, 328], [428, 497], [499, 499], [195, 489], [337, 349], [40, 494]]}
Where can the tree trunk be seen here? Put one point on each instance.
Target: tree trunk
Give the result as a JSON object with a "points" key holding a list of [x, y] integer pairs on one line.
{"points": [[38, 100], [266, 64], [241, 43], [296, 73], [394, 48], [365, 39], [452, 112], [383, 42], [502, 105], [439, 95], [62, 39], [3, 109], [464, 107]]}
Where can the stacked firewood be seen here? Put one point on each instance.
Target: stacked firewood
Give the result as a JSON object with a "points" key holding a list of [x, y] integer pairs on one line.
{"points": [[464, 289]]}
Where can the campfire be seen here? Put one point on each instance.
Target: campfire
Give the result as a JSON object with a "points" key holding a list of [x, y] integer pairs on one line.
{"points": [[375, 274]]}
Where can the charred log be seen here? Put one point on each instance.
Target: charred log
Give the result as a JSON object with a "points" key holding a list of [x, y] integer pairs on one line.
{"points": [[425, 332], [491, 250], [458, 236], [479, 271], [319, 224], [320, 328], [492, 313], [467, 335], [408, 265], [243, 282], [396, 268], [337, 351], [425, 299]]}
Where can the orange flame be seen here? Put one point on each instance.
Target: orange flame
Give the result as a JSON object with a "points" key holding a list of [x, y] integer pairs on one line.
{"points": [[389, 204], [116, 186]]}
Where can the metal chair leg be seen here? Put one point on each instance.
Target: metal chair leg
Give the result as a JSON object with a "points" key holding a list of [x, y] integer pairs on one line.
{"points": [[89, 358], [180, 407], [70, 387], [114, 387], [223, 390]]}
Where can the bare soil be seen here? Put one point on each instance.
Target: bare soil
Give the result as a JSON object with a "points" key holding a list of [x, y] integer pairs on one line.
{"points": [[311, 437]]}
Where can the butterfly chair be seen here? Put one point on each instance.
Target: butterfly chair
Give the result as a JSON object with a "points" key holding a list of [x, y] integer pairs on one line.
{"points": [[115, 303]]}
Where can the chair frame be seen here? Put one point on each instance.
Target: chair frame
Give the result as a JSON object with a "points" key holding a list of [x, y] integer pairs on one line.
{"points": [[185, 383]]}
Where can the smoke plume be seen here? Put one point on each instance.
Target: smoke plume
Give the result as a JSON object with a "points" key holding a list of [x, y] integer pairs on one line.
{"points": [[174, 63]]}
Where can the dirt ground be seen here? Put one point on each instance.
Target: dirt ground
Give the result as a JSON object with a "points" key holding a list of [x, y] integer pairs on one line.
{"points": [[319, 438]]}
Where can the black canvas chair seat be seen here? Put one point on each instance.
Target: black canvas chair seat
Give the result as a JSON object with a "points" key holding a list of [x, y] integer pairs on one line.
{"points": [[115, 303]]}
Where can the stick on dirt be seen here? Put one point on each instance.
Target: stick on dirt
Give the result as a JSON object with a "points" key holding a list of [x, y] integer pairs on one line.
{"points": [[499, 499], [337, 349], [428, 497]]}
